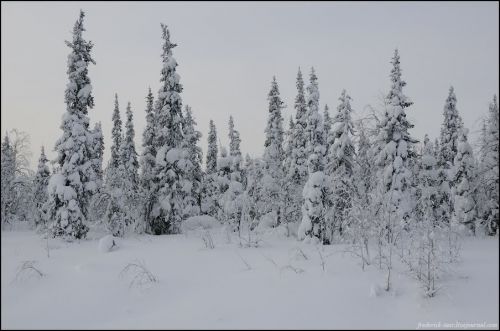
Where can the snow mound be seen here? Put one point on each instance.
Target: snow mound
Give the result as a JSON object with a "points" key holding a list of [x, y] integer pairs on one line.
{"points": [[201, 222], [107, 244]]}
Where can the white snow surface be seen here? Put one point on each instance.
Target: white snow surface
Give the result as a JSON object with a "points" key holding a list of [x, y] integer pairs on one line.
{"points": [[213, 288]]}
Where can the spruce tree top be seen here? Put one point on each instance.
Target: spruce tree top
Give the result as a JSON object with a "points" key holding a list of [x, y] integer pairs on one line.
{"points": [[42, 162], [274, 128], [169, 103], [212, 149], [450, 128], [300, 101], [78, 91], [116, 134], [234, 139]]}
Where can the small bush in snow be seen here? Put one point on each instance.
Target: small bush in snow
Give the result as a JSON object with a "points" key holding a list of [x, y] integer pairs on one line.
{"points": [[139, 274], [207, 239], [28, 270]]}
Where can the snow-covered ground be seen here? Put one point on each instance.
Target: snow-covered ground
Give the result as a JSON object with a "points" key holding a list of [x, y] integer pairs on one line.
{"points": [[271, 286]]}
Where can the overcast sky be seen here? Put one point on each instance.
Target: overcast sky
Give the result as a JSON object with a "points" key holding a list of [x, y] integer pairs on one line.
{"points": [[228, 53]]}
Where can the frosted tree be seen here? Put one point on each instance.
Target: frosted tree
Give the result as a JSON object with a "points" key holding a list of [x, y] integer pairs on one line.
{"points": [[314, 130], [394, 172], [130, 181], [71, 187], [99, 200], [362, 207], [254, 173], [222, 182], [313, 225], [426, 238], [209, 204], [288, 147], [147, 162], [450, 128], [40, 184], [194, 173], [116, 217], [327, 124], [18, 203], [116, 136], [463, 176], [8, 168], [273, 155], [237, 172], [97, 153], [230, 189], [212, 149], [296, 172], [171, 157], [452, 123], [340, 168], [234, 139], [489, 170]]}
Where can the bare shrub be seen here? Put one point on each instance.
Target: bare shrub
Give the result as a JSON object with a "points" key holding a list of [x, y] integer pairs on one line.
{"points": [[291, 267], [139, 274], [247, 265], [28, 270], [207, 239]]}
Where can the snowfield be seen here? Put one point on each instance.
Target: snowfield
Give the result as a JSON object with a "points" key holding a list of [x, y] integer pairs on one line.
{"points": [[280, 284]]}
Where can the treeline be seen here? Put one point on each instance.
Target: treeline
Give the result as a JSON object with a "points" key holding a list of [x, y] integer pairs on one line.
{"points": [[337, 179]]}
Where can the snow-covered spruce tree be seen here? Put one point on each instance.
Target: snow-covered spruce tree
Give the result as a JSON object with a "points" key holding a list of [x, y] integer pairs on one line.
{"points": [[116, 136], [172, 158], [327, 125], [288, 147], [296, 172], [71, 187], [147, 164], [194, 173], [490, 170], [222, 181], [253, 191], [237, 172], [230, 189], [452, 123], [97, 153], [393, 192], [235, 152], [130, 183], [115, 215], [212, 149], [313, 226], [98, 200], [463, 176], [8, 168], [209, 199], [40, 184], [339, 169], [273, 157], [314, 131], [234, 139]]}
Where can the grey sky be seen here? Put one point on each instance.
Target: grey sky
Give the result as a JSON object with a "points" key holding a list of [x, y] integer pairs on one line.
{"points": [[228, 53]]}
